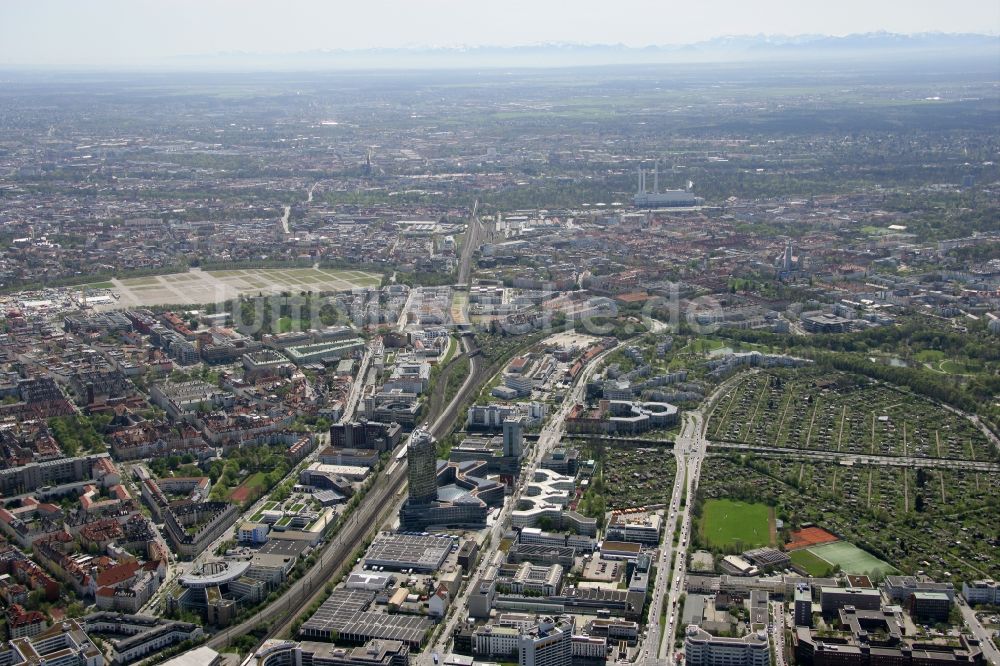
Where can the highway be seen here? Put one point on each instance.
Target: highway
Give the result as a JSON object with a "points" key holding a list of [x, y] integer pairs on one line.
{"points": [[689, 448]]}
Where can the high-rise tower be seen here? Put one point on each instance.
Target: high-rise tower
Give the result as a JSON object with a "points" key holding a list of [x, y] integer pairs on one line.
{"points": [[421, 457], [513, 436]]}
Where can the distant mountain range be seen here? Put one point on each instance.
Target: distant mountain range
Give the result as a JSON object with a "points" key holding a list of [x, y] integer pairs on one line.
{"points": [[736, 48]]}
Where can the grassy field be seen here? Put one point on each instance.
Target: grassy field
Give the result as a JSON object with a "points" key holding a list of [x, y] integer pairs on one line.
{"points": [[851, 559], [811, 564], [953, 367], [287, 324], [702, 345], [726, 522]]}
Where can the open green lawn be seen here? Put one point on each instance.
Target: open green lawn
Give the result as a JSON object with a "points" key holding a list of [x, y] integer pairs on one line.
{"points": [[726, 522], [953, 367], [811, 564], [928, 355], [287, 324], [851, 559], [701, 345]]}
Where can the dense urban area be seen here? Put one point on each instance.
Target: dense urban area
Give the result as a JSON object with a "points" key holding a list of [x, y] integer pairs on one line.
{"points": [[634, 365]]}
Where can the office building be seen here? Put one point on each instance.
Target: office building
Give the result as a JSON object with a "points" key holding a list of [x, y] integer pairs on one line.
{"points": [[562, 461], [985, 592], [446, 493], [366, 434], [635, 526], [421, 456], [929, 607], [65, 644], [513, 436], [803, 606], [375, 652], [549, 643], [876, 638], [901, 588], [832, 599], [703, 649], [492, 642]]}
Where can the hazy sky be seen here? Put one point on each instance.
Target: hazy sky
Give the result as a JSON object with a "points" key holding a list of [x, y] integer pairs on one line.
{"points": [[102, 32]]}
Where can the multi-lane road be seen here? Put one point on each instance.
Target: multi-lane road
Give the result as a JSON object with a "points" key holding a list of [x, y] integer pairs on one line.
{"points": [[777, 630], [984, 635], [689, 449], [548, 438]]}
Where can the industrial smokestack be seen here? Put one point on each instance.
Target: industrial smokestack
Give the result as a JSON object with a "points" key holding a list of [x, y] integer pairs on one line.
{"points": [[656, 177]]}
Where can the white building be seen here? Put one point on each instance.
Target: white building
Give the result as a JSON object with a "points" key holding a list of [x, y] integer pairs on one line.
{"points": [[491, 640], [638, 527], [981, 592], [590, 647], [253, 533], [550, 643], [703, 649]]}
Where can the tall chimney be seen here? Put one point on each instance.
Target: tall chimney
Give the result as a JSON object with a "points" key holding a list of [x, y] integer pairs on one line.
{"points": [[656, 177]]}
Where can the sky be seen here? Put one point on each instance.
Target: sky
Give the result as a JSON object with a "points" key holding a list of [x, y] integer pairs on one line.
{"points": [[138, 32]]}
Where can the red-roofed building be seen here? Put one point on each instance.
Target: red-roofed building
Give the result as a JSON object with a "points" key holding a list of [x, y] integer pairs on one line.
{"points": [[22, 623]]}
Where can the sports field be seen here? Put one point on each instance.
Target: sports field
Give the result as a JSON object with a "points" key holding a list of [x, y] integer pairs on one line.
{"points": [[809, 536], [851, 559], [726, 522], [811, 564], [251, 488], [197, 286]]}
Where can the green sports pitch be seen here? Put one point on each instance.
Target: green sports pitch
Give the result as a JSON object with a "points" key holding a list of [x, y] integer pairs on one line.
{"points": [[726, 523], [811, 564], [851, 559]]}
